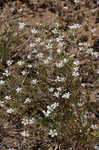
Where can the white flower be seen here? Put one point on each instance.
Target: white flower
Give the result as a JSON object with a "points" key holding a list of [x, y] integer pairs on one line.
{"points": [[72, 55], [56, 94], [76, 1], [29, 65], [76, 69], [7, 73], [93, 30], [50, 109], [89, 51], [59, 79], [38, 39], [85, 117], [65, 7], [34, 50], [32, 45], [53, 133], [60, 64], [18, 89], [76, 62], [51, 89], [66, 95], [48, 46], [27, 100], [49, 40], [34, 81], [80, 48], [97, 72], [94, 126], [46, 61], [79, 104], [86, 44], [39, 24], [25, 121], [55, 31], [20, 63], [65, 60], [73, 105], [49, 58], [11, 149], [62, 79], [80, 44], [59, 89], [9, 62], [23, 72], [75, 74], [20, 9], [1, 103], [32, 120], [97, 147], [53, 106], [75, 26], [59, 50], [40, 55], [21, 25], [25, 133], [29, 57], [42, 43], [7, 97], [10, 110], [58, 39], [96, 54], [83, 84], [34, 31], [2, 82], [56, 24], [46, 113]]}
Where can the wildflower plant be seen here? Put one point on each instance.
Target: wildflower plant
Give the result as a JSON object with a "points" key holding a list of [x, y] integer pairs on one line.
{"points": [[46, 90]]}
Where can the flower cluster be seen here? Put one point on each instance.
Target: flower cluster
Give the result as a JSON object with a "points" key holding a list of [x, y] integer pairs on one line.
{"points": [[91, 51], [61, 63], [75, 26], [20, 63], [59, 79], [26, 121], [10, 110], [76, 68]]}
